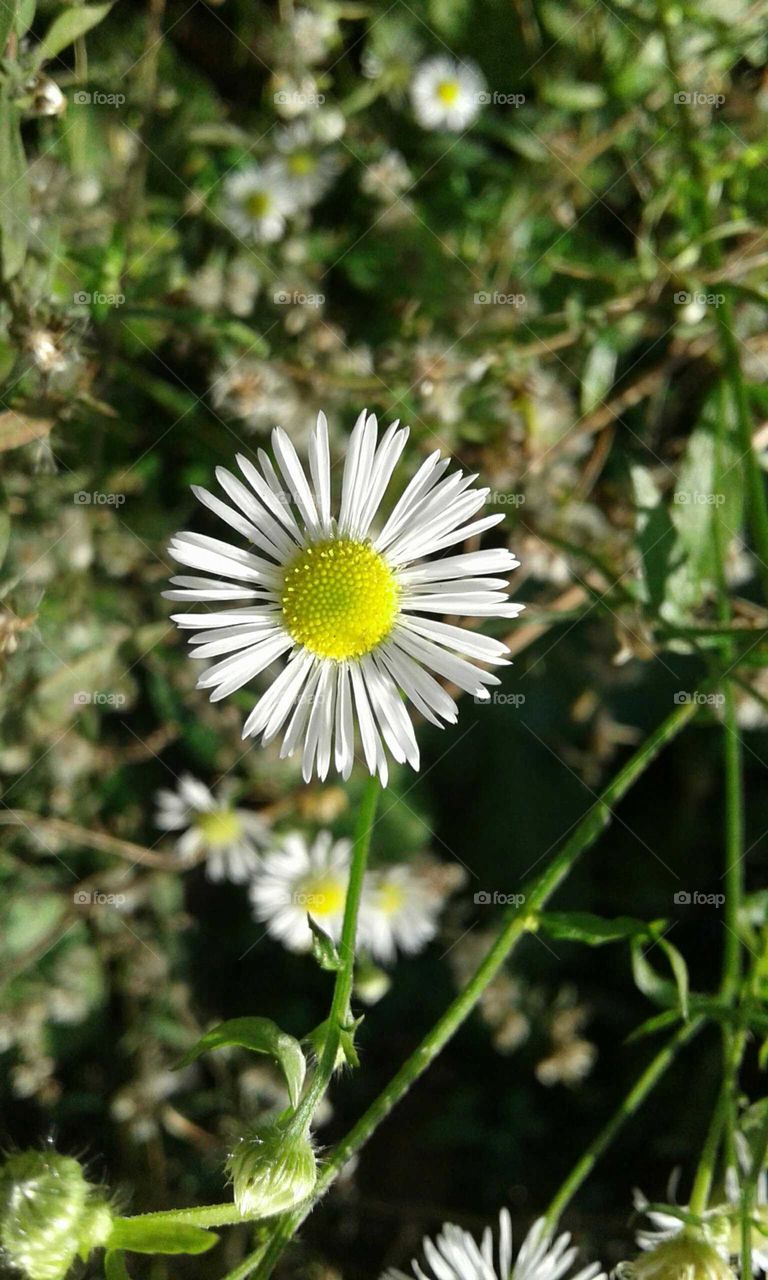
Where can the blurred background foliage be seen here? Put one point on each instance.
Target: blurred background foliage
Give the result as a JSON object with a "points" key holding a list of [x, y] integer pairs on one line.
{"points": [[536, 293]]}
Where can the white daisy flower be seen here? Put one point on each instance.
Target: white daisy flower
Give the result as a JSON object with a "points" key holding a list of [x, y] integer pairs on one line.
{"points": [[296, 879], [446, 94], [344, 605], [307, 172], [256, 202], [455, 1255], [399, 911], [226, 836]]}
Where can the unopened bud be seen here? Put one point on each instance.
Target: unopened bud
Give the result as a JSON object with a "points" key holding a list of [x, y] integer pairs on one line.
{"points": [[272, 1170], [687, 1256], [49, 1214]]}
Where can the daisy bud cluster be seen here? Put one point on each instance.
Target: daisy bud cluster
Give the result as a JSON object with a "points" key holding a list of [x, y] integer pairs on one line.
{"points": [[49, 1214]]}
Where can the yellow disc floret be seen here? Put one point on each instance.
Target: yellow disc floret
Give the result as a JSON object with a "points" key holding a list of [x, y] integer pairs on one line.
{"points": [[339, 598], [324, 895], [448, 92], [220, 827]]}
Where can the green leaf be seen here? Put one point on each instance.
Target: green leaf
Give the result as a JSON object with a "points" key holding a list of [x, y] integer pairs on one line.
{"points": [[597, 376], [323, 947], [8, 18], [260, 1035], [658, 1022], [68, 27], [659, 989], [656, 540], [114, 1265], [595, 931], [25, 16], [14, 189], [157, 1234]]}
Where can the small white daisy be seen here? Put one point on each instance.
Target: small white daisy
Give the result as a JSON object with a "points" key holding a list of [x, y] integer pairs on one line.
{"points": [[296, 879], [308, 172], [399, 911], [446, 94], [344, 606], [256, 202], [226, 836], [455, 1255]]}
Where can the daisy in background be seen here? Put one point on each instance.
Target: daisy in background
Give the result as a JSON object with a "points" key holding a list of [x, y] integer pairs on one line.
{"points": [[401, 907], [455, 1255], [308, 173], [257, 201], [211, 828], [446, 94], [343, 607], [296, 879]]}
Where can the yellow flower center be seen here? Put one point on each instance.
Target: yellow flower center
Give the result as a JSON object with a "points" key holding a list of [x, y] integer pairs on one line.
{"points": [[390, 898], [448, 92], [257, 204], [220, 827], [323, 896], [302, 163], [339, 599]]}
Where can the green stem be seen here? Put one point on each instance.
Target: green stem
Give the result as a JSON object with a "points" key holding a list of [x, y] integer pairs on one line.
{"points": [[520, 921], [627, 1108], [703, 223], [342, 991], [706, 1171], [220, 1215], [749, 1195]]}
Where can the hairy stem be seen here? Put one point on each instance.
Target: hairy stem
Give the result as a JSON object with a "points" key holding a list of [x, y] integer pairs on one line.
{"points": [[520, 921], [645, 1084]]}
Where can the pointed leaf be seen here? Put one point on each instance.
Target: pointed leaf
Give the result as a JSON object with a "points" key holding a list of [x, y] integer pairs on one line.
{"points": [[114, 1265], [68, 27], [14, 189], [157, 1234], [260, 1035], [595, 931], [323, 947]]}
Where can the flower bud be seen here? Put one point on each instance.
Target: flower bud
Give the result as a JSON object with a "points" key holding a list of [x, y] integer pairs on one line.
{"points": [[271, 1170], [687, 1256], [49, 1214]]}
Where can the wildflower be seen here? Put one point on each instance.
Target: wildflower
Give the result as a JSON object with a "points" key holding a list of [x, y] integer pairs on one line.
{"points": [[446, 94], [400, 910], [46, 98], [272, 1170], [314, 33], [257, 393], [226, 836], [49, 1214], [308, 173], [297, 879], [342, 606], [386, 178], [256, 202], [455, 1255]]}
